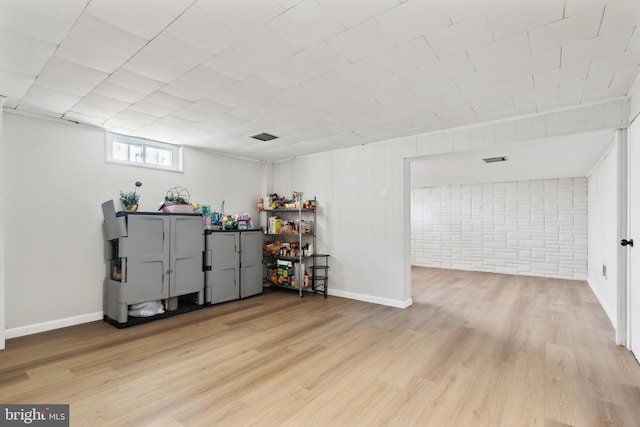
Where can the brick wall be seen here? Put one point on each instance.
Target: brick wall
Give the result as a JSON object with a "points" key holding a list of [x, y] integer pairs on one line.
{"points": [[533, 228]]}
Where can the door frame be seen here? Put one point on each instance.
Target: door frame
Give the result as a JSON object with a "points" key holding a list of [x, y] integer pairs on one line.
{"points": [[622, 321]]}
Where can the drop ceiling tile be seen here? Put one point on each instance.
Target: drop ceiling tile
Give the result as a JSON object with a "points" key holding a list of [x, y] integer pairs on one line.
{"points": [[83, 53], [105, 37], [135, 116], [119, 124], [157, 132], [361, 41], [244, 13], [619, 15], [201, 111], [550, 81], [193, 137], [500, 54], [208, 79], [619, 86], [538, 62], [559, 33], [118, 92], [22, 17], [598, 48], [185, 90], [246, 91], [366, 72], [149, 108], [205, 31], [480, 79], [460, 37], [14, 85], [210, 107], [172, 49], [252, 127], [64, 84], [67, 11], [23, 54], [306, 24], [354, 12], [234, 65], [456, 114], [60, 67], [575, 7], [220, 122], [412, 55], [175, 122], [433, 92], [83, 118], [144, 18], [462, 10], [39, 98], [166, 100], [398, 100], [618, 62], [265, 47], [519, 16], [449, 66], [304, 66], [134, 81], [153, 68], [102, 102], [288, 3], [412, 19]]}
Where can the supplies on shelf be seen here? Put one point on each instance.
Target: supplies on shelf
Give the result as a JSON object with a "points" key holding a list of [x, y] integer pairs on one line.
{"points": [[273, 201], [277, 225], [286, 249], [286, 273]]}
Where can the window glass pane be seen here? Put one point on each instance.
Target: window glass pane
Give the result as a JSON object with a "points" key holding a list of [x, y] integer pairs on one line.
{"points": [[130, 149], [151, 155], [120, 151], [135, 153], [165, 158]]}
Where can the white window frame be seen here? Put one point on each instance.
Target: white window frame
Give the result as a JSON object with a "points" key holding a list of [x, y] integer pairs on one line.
{"points": [[176, 152]]}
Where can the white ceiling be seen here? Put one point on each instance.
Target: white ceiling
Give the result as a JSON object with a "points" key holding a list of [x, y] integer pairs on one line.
{"points": [[543, 158], [320, 74]]}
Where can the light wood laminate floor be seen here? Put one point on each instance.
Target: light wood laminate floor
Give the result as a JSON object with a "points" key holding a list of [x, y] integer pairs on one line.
{"points": [[474, 349]]}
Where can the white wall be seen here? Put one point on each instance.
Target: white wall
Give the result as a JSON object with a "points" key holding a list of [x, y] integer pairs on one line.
{"points": [[603, 231], [368, 235], [54, 261], [358, 226], [58, 180], [3, 182], [533, 228]]}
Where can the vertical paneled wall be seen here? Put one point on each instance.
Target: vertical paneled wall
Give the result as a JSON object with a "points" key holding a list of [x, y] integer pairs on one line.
{"points": [[536, 228]]}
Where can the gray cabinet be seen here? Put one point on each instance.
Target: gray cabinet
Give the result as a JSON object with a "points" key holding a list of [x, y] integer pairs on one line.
{"points": [[233, 264], [151, 256]]}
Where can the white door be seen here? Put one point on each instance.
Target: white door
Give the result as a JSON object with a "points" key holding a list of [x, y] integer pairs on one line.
{"points": [[633, 136]]}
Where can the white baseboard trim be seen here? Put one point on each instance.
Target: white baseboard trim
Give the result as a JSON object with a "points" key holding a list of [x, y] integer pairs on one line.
{"points": [[612, 319], [53, 324], [371, 299]]}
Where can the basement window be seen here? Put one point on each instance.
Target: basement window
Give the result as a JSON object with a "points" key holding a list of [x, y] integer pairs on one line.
{"points": [[141, 152]]}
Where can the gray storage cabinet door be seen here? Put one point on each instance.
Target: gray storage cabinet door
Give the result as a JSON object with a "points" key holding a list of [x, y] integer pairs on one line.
{"points": [[251, 263], [223, 279], [147, 253], [187, 245]]}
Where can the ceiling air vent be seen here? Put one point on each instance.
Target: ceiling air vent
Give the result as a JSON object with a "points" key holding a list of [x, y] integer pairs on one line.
{"points": [[264, 136], [495, 159]]}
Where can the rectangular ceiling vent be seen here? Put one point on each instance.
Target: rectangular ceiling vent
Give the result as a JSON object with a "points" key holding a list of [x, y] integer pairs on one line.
{"points": [[264, 136], [495, 159]]}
